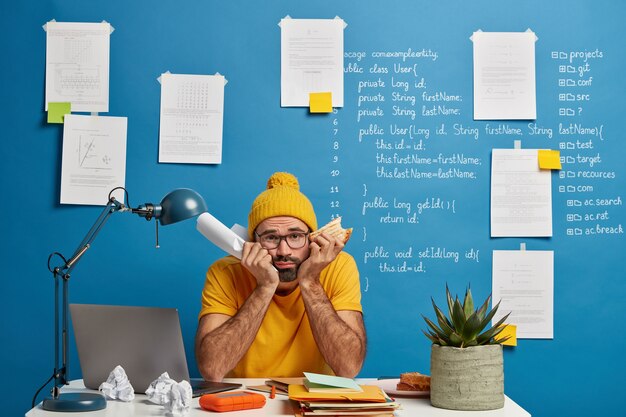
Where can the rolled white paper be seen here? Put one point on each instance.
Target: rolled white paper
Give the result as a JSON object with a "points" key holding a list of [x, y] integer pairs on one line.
{"points": [[220, 235], [240, 231]]}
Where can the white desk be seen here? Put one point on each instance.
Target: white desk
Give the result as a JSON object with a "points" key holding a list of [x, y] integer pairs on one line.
{"points": [[279, 407]]}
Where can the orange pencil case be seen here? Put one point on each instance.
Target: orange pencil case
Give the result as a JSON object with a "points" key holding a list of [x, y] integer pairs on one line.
{"points": [[232, 401]]}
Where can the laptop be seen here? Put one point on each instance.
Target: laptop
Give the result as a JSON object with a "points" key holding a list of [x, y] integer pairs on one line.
{"points": [[145, 341]]}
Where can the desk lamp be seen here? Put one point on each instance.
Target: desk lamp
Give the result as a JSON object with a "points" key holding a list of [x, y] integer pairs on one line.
{"points": [[178, 205]]}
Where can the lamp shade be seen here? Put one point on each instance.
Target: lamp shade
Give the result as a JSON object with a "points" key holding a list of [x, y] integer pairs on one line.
{"points": [[180, 204]]}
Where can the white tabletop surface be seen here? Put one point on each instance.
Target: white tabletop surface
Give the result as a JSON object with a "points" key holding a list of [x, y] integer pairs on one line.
{"points": [[279, 406]]}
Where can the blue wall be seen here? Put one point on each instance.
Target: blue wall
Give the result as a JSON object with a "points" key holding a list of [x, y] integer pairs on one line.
{"points": [[578, 373]]}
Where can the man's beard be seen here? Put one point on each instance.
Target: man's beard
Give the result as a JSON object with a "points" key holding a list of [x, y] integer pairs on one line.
{"points": [[289, 274]]}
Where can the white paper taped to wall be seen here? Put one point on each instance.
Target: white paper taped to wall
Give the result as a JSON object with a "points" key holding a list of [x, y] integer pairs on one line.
{"points": [[220, 235]]}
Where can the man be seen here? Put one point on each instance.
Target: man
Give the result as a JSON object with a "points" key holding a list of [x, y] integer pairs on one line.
{"points": [[290, 305]]}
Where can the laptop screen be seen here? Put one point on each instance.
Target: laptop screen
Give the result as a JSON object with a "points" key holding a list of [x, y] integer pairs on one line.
{"points": [[145, 341]]}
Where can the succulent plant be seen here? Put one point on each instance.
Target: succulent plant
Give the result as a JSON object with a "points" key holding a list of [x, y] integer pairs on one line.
{"points": [[464, 325]]}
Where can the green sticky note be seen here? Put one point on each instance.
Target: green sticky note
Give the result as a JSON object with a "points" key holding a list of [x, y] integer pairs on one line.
{"points": [[56, 111], [549, 159], [320, 102]]}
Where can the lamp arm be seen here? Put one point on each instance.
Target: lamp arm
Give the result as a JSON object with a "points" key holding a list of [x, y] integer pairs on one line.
{"points": [[146, 211], [63, 271], [112, 206]]}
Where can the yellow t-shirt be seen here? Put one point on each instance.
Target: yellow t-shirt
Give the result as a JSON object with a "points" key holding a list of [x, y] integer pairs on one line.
{"points": [[284, 345]]}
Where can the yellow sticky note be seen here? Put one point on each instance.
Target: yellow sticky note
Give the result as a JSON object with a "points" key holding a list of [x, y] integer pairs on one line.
{"points": [[320, 102], [56, 111], [509, 330], [549, 159]]}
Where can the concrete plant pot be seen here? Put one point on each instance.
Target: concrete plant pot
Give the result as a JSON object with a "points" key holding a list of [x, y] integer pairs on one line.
{"points": [[469, 378]]}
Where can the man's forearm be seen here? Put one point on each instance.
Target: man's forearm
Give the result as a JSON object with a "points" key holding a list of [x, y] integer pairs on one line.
{"points": [[342, 346], [219, 350]]}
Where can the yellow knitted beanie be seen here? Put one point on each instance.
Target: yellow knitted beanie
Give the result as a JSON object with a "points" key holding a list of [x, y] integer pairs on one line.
{"points": [[282, 198]]}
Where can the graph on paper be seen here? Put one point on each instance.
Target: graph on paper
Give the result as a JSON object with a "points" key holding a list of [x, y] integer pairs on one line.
{"points": [[93, 152], [94, 159]]}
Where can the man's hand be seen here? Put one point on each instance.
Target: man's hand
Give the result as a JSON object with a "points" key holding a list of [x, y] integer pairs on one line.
{"points": [[323, 250], [258, 261]]}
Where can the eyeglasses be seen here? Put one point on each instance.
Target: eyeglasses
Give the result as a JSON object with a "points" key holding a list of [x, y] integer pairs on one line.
{"points": [[295, 240]]}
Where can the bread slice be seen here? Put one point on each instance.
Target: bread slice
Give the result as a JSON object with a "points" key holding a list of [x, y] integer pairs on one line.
{"points": [[413, 381], [333, 228]]}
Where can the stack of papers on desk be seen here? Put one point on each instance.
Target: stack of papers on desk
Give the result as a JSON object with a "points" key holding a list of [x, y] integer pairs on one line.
{"points": [[369, 401], [370, 393]]}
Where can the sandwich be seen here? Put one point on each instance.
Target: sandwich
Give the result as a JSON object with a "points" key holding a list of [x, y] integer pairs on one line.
{"points": [[413, 381], [333, 228]]}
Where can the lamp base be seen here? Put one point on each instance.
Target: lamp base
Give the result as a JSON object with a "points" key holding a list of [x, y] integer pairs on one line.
{"points": [[75, 401]]}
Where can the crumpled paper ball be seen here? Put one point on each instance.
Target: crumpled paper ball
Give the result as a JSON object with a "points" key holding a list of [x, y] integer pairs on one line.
{"points": [[174, 396], [117, 386], [180, 398], [159, 390]]}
